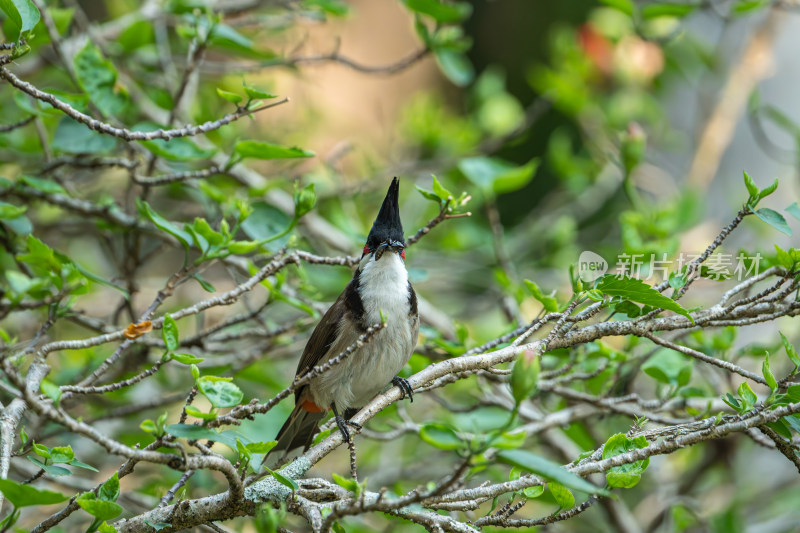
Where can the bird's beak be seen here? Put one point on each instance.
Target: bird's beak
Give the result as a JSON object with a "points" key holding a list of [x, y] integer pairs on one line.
{"points": [[395, 246]]}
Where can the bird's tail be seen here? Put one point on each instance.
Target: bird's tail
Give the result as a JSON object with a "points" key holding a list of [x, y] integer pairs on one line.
{"points": [[298, 430]]}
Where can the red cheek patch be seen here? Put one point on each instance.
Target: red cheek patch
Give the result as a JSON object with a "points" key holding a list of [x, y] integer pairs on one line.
{"points": [[403, 254], [366, 249]]}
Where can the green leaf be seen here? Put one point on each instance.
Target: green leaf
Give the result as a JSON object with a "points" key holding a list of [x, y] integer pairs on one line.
{"points": [[774, 219], [769, 377], [220, 391], [41, 450], [224, 36], [51, 390], [73, 137], [9, 211], [97, 76], [747, 395], [169, 332], [109, 490], [256, 93], [177, 149], [549, 470], [655, 10], [638, 291], [428, 195], [158, 526], [456, 66], [186, 358], [208, 287], [628, 475], [262, 150], [106, 528], [348, 484], [229, 96], [265, 223], [497, 176], [550, 303], [791, 353], [561, 495], [62, 454], [440, 11], [524, 376], [22, 14], [53, 470], [81, 464], [280, 478], [440, 436], [766, 191], [752, 189], [670, 367], [191, 410], [46, 186], [261, 447], [794, 210], [101, 509], [163, 224], [24, 495], [440, 191], [192, 432]]}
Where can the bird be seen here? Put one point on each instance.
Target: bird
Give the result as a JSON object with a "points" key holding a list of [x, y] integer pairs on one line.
{"points": [[380, 291]]}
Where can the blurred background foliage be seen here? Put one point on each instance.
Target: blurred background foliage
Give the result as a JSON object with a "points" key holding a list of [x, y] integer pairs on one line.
{"points": [[616, 127]]}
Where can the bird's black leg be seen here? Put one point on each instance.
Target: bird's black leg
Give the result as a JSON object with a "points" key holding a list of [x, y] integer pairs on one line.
{"points": [[404, 386], [342, 423]]}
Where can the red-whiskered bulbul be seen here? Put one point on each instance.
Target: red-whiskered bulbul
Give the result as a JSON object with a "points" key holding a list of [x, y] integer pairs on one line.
{"points": [[379, 290]]}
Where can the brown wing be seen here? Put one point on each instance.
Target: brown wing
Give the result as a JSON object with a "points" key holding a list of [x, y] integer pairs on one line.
{"points": [[323, 336]]}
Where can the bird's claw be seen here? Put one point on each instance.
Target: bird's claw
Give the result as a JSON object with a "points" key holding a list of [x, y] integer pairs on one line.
{"points": [[342, 423], [404, 386]]}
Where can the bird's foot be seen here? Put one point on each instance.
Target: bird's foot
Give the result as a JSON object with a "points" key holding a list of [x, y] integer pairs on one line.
{"points": [[342, 423], [404, 386]]}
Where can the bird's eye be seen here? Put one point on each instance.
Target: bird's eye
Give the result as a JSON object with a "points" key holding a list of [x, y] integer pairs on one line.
{"points": [[366, 249]]}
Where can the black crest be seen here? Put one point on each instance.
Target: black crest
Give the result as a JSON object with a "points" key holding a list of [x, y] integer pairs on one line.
{"points": [[387, 225]]}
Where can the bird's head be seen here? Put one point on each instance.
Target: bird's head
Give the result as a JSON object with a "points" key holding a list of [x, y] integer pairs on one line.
{"points": [[386, 234]]}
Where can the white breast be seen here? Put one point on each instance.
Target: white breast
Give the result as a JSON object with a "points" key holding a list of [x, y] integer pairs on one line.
{"points": [[383, 286]]}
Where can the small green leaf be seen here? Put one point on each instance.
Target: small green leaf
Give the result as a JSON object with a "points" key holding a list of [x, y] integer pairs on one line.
{"points": [[62, 454], [101, 509], [41, 450], [24, 495], [638, 291], [51, 390], [774, 219], [440, 11], [229, 96], [105, 527], [428, 195], [533, 492], [455, 65], [23, 16], [191, 410], [670, 367], [524, 376], [549, 470], [791, 353], [280, 478], [163, 224], [109, 490], [169, 332], [9, 211], [73, 137], [769, 377], [220, 391], [97, 76], [747, 395], [53, 470], [176, 149], [628, 475], [348, 484], [766, 191], [561, 495], [262, 150], [440, 436], [440, 191], [186, 358], [794, 210], [256, 93], [752, 189], [261, 447]]}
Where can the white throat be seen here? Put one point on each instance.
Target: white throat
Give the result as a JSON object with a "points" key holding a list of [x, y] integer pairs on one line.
{"points": [[383, 286]]}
